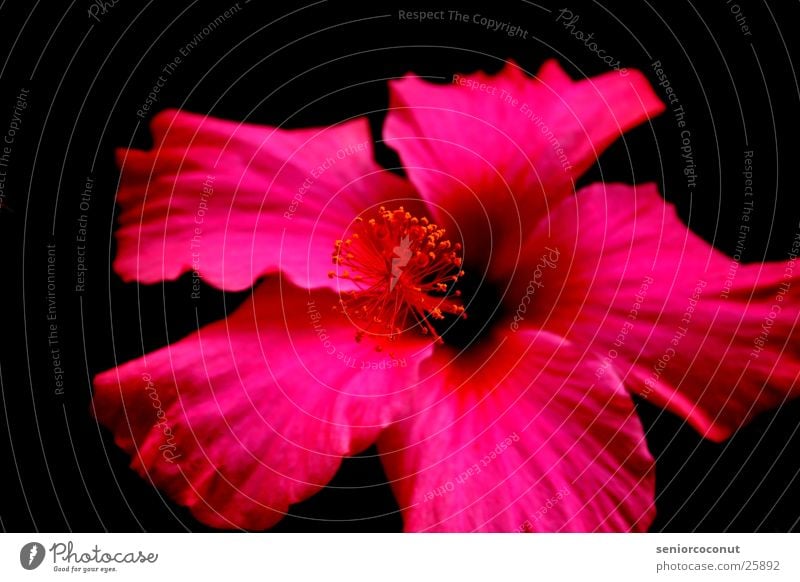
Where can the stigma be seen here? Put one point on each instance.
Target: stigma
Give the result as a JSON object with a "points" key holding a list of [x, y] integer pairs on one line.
{"points": [[403, 269]]}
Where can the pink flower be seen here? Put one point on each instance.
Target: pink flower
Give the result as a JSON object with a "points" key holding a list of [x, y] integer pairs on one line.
{"points": [[481, 321]]}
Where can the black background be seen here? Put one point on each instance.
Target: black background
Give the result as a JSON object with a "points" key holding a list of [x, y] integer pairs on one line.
{"points": [[314, 65]]}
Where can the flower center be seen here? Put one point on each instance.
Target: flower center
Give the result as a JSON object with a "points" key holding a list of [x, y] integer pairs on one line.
{"points": [[404, 270]]}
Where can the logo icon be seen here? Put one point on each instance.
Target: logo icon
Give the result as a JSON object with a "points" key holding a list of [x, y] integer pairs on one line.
{"points": [[31, 555], [404, 254]]}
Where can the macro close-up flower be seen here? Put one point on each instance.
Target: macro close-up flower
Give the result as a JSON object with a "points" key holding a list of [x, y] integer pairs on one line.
{"points": [[483, 320]]}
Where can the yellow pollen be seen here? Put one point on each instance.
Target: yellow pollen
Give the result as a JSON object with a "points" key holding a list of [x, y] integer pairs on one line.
{"points": [[404, 270]]}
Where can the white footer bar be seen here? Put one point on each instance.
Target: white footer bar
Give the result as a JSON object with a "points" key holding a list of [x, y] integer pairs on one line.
{"points": [[415, 557]]}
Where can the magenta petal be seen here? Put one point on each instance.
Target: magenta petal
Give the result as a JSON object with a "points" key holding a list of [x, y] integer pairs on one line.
{"points": [[234, 201], [685, 326], [490, 153], [521, 437], [254, 413]]}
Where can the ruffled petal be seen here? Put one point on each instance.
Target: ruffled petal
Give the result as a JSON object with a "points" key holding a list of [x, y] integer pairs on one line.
{"points": [[685, 326], [491, 153], [233, 201], [521, 437], [254, 413]]}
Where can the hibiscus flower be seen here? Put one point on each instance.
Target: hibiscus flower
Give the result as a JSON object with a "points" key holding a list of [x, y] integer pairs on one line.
{"points": [[481, 321]]}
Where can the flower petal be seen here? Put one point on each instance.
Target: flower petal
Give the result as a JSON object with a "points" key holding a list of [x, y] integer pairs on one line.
{"points": [[234, 201], [685, 326], [254, 413], [521, 437], [490, 153]]}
